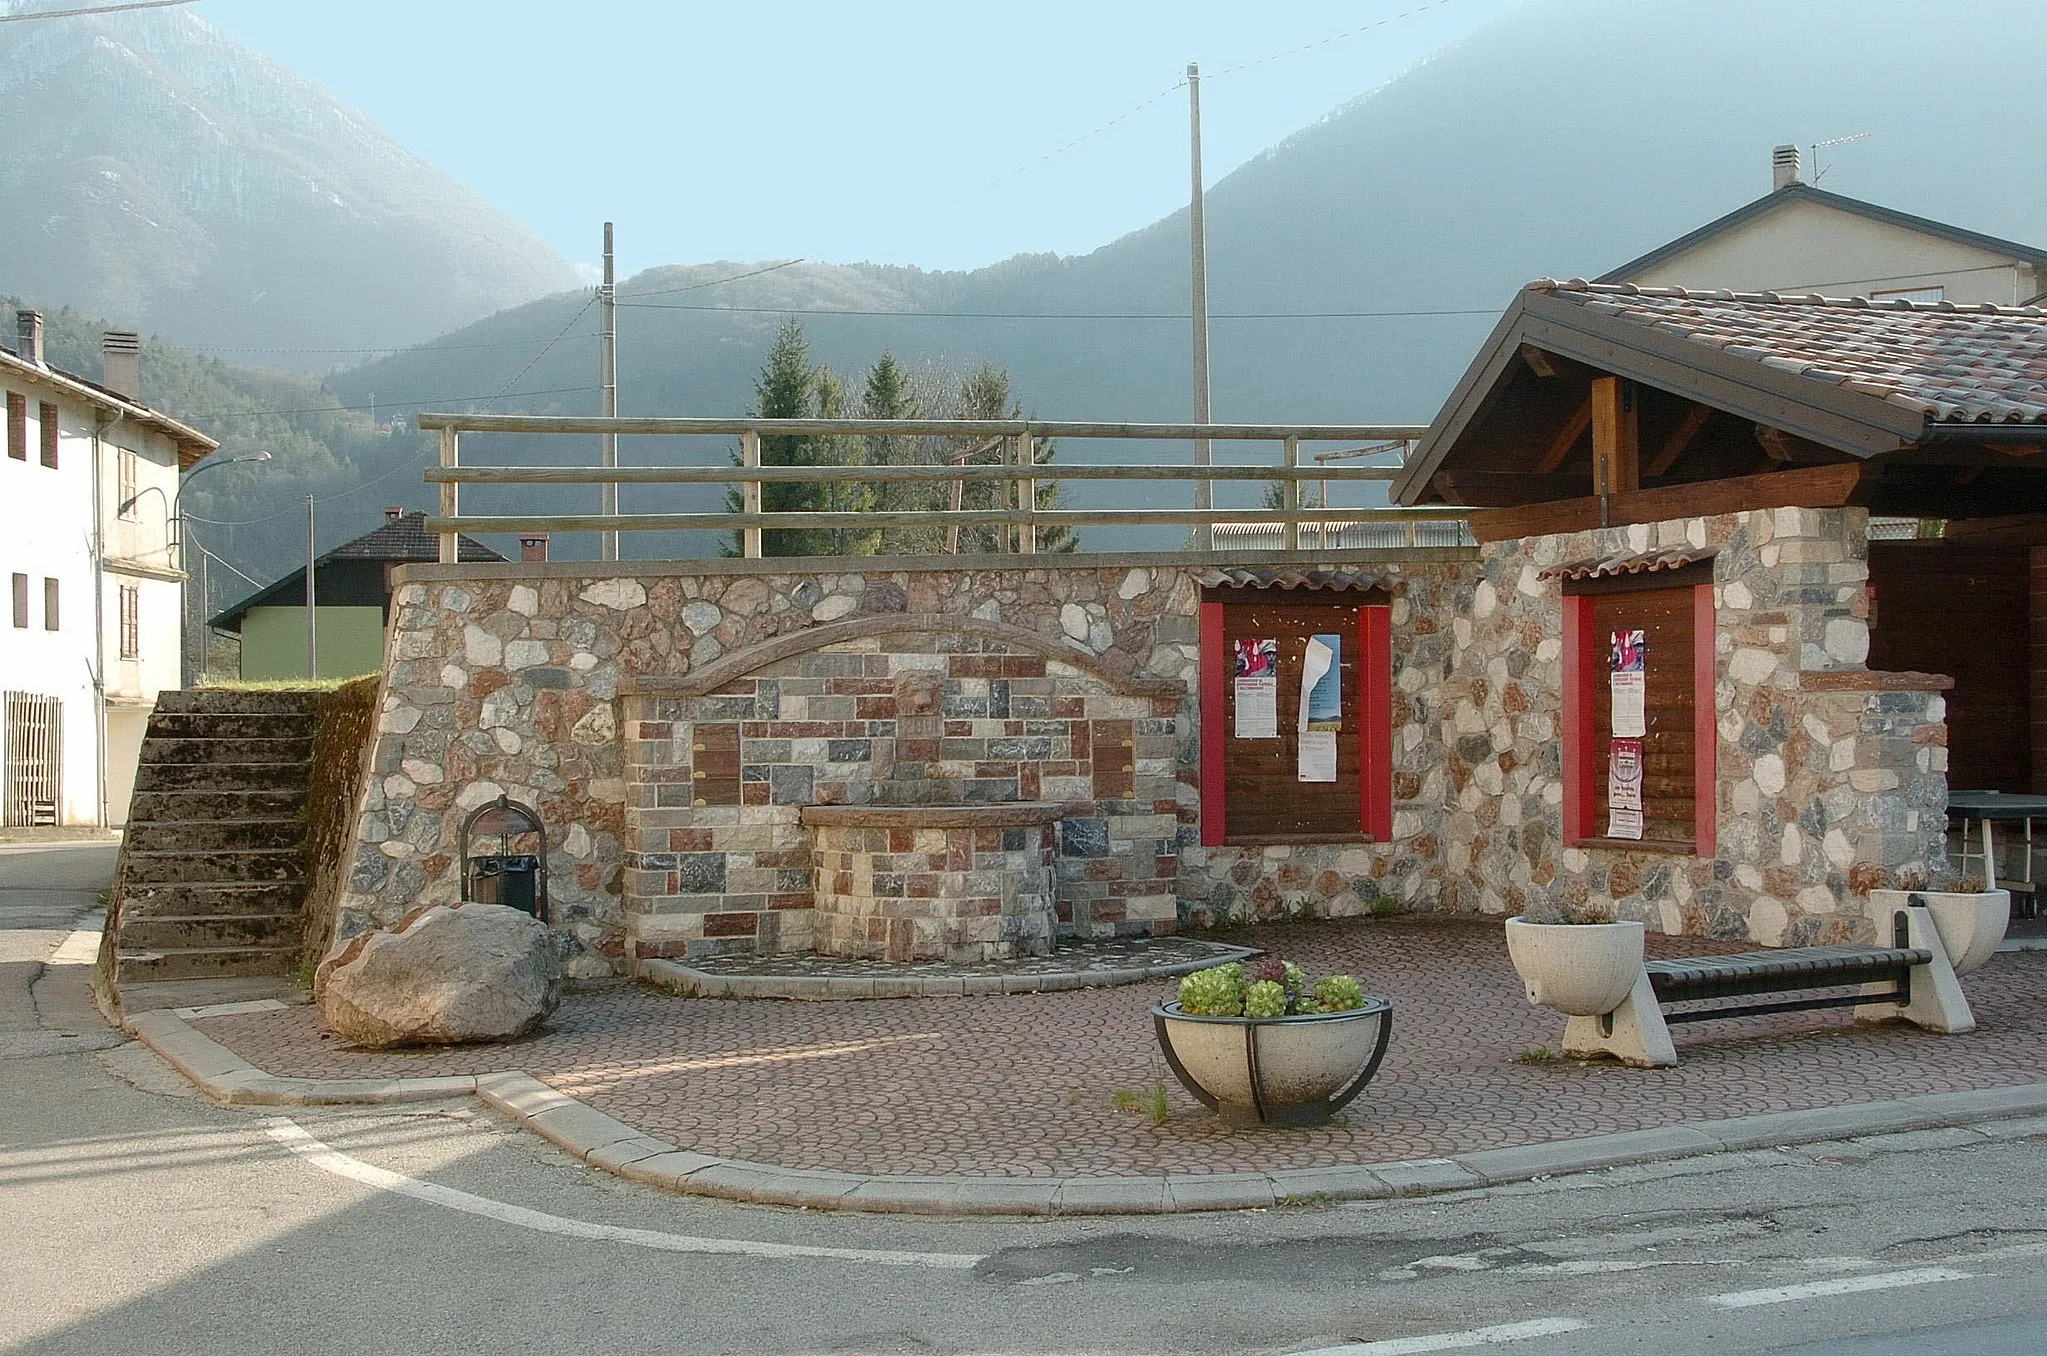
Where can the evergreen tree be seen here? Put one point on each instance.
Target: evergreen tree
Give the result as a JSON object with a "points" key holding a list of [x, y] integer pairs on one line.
{"points": [[984, 394]]}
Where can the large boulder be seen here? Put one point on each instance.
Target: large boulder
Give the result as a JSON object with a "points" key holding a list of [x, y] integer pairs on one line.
{"points": [[446, 975]]}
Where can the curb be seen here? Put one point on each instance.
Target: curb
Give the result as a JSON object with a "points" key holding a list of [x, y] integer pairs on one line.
{"points": [[615, 1147], [678, 977]]}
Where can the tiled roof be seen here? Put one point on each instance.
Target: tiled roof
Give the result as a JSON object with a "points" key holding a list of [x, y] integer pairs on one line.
{"points": [[1952, 363], [406, 538], [1646, 562], [1289, 577]]}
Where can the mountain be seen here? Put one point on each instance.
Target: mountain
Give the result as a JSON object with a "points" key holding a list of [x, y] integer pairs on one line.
{"points": [[180, 183], [1563, 138]]}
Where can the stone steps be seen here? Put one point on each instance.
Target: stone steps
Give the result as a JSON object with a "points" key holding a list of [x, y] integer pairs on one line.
{"points": [[208, 835], [169, 932], [211, 882]]}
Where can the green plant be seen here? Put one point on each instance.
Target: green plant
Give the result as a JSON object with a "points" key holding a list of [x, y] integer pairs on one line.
{"points": [[1123, 1099], [1539, 1054], [1277, 989], [1158, 1099]]}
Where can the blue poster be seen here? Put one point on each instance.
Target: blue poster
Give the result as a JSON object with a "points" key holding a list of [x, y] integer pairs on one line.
{"points": [[1325, 694]]}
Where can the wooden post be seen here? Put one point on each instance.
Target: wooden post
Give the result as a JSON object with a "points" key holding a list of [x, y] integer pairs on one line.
{"points": [[1616, 440], [607, 378], [1204, 535], [958, 495], [750, 493], [1290, 491], [450, 495], [1027, 496]]}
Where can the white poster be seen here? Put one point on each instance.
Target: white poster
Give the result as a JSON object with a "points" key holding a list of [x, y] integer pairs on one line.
{"points": [[1624, 789], [1628, 680], [1257, 690], [1318, 756]]}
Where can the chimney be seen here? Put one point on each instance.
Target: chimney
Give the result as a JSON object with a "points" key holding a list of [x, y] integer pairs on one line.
{"points": [[121, 363], [533, 548], [29, 346], [1784, 168], [393, 512]]}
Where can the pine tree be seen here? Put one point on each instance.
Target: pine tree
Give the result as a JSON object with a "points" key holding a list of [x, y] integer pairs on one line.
{"points": [[984, 394], [888, 395]]}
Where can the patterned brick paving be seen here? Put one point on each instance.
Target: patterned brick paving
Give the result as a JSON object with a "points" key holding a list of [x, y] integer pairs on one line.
{"points": [[1028, 1085]]}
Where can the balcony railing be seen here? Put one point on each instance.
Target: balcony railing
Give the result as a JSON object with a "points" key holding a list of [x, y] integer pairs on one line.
{"points": [[1013, 448]]}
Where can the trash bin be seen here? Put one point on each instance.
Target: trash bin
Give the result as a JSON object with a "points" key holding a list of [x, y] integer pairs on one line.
{"points": [[515, 875]]}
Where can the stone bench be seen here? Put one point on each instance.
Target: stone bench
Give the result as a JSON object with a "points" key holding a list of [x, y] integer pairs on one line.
{"points": [[1911, 979]]}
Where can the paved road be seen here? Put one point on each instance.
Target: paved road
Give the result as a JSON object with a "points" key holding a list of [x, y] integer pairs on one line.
{"points": [[139, 1219]]}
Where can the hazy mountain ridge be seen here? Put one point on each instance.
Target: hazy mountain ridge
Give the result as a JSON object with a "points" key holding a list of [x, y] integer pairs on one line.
{"points": [[206, 192]]}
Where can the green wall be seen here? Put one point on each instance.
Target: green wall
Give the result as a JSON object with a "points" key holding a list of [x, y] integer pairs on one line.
{"points": [[349, 641]]}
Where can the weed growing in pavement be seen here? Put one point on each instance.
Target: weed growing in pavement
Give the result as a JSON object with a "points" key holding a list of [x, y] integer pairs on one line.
{"points": [[1537, 1054], [1123, 1099], [1158, 1099]]}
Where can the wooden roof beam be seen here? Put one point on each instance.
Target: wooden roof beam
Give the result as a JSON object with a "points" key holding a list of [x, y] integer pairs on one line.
{"points": [[1806, 487], [1566, 439], [1680, 440]]}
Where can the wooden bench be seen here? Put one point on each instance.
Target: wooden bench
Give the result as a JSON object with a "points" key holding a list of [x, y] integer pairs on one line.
{"points": [[1910, 979]]}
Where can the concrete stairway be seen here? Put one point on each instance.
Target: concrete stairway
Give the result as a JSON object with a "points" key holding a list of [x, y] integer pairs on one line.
{"points": [[212, 877]]}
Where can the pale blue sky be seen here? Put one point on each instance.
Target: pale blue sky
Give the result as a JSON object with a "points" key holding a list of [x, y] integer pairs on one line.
{"points": [[899, 132]]}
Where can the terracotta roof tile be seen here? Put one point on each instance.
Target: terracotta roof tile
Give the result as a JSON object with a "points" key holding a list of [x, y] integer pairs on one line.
{"points": [[1644, 562], [1954, 363]]}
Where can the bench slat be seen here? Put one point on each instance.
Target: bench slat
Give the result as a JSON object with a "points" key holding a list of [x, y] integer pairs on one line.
{"points": [[1807, 967]]}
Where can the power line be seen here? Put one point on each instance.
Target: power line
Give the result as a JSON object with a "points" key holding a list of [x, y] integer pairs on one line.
{"points": [[427, 347], [95, 9], [1324, 42], [1066, 315], [720, 282], [387, 404], [545, 350]]}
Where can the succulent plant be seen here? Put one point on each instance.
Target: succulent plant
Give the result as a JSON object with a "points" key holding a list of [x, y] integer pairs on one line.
{"points": [[1215, 992], [1338, 993], [1266, 998]]}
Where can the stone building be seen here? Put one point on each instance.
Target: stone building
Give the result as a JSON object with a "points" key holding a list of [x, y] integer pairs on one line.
{"points": [[1279, 733]]}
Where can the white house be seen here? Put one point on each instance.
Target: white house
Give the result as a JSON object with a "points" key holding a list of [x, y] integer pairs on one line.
{"points": [[1798, 239], [88, 484]]}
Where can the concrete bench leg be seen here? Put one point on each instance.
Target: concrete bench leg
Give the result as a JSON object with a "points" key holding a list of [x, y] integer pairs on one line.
{"points": [[1633, 1033], [1937, 1002]]}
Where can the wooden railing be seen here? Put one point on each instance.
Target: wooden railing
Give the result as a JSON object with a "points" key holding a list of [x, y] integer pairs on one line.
{"points": [[1019, 471]]}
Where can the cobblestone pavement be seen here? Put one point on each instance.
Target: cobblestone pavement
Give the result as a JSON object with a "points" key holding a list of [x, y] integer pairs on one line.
{"points": [[1060, 1084]]}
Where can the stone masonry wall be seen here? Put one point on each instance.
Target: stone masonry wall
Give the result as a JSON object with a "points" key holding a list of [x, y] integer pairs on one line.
{"points": [[510, 679], [1831, 780]]}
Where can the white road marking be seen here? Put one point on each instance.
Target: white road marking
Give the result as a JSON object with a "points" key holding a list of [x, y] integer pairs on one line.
{"points": [[1453, 1341], [294, 1137], [1846, 1285]]}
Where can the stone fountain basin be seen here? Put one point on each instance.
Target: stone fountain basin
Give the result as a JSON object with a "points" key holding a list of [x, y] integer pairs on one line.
{"points": [[959, 883], [994, 815]]}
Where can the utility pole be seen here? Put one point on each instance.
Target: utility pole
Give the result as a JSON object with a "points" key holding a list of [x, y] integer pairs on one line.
{"points": [[1204, 535], [607, 376], [312, 662]]}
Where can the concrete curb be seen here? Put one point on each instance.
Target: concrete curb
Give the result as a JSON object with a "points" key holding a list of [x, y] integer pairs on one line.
{"points": [[615, 1147], [681, 978]]}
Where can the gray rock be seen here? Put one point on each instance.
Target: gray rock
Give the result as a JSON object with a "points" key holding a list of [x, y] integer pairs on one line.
{"points": [[446, 975]]}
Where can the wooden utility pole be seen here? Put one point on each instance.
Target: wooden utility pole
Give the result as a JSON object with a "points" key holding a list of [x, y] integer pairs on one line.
{"points": [[607, 376], [1204, 536], [312, 599]]}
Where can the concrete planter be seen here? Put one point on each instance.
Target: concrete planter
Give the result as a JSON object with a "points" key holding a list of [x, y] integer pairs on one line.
{"points": [[1275, 1070], [1971, 923], [1579, 969]]}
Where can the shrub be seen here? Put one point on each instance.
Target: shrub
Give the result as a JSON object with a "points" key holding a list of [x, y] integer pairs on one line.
{"points": [[1277, 989], [1215, 992], [1265, 999], [1338, 993]]}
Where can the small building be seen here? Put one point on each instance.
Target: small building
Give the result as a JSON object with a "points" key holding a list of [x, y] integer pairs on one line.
{"points": [[1690, 475], [88, 487], [1799, 238], [351, 603]]}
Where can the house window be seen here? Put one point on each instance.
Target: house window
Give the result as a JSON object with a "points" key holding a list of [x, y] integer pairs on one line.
{"points": [[49, 604], [1674, 615], [124, 490], [48, 426], [131, 621], [17, 426], [21, 602], [1924, 296], [1252, 782]]}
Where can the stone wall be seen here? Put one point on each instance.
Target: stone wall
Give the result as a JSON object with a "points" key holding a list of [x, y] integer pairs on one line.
{"points": [[553, 684], [1831, 780]]}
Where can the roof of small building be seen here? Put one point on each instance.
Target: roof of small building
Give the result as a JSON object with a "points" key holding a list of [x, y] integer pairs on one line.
{"points": [[1806, 193], [191, 443], [1949, 361], [402, 538]]}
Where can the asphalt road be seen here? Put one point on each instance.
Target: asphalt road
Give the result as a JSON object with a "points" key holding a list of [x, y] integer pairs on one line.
{"points": [[140, 1219]]}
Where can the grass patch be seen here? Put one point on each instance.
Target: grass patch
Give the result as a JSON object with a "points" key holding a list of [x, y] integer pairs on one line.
{"points": [[1536, 1054]]}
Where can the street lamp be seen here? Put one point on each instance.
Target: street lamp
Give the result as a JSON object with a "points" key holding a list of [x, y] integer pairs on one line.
{"points": [[173, 524]]}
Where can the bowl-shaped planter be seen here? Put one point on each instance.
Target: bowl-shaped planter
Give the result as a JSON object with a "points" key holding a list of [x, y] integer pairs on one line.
{"points": [[1579, 969], [1971, 923], [1275, 1070]]}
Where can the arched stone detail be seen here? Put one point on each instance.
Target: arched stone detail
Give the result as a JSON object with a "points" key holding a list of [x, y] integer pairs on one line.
{"points": [[730, 668]]}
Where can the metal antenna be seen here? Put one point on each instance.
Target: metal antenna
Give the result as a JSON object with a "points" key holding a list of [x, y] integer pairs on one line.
{"points": [[1817, 170]]}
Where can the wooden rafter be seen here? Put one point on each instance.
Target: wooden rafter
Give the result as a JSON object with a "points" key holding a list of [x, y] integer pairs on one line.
{"points": [[1566, 439], [1806, 487], [1682, 437]]}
